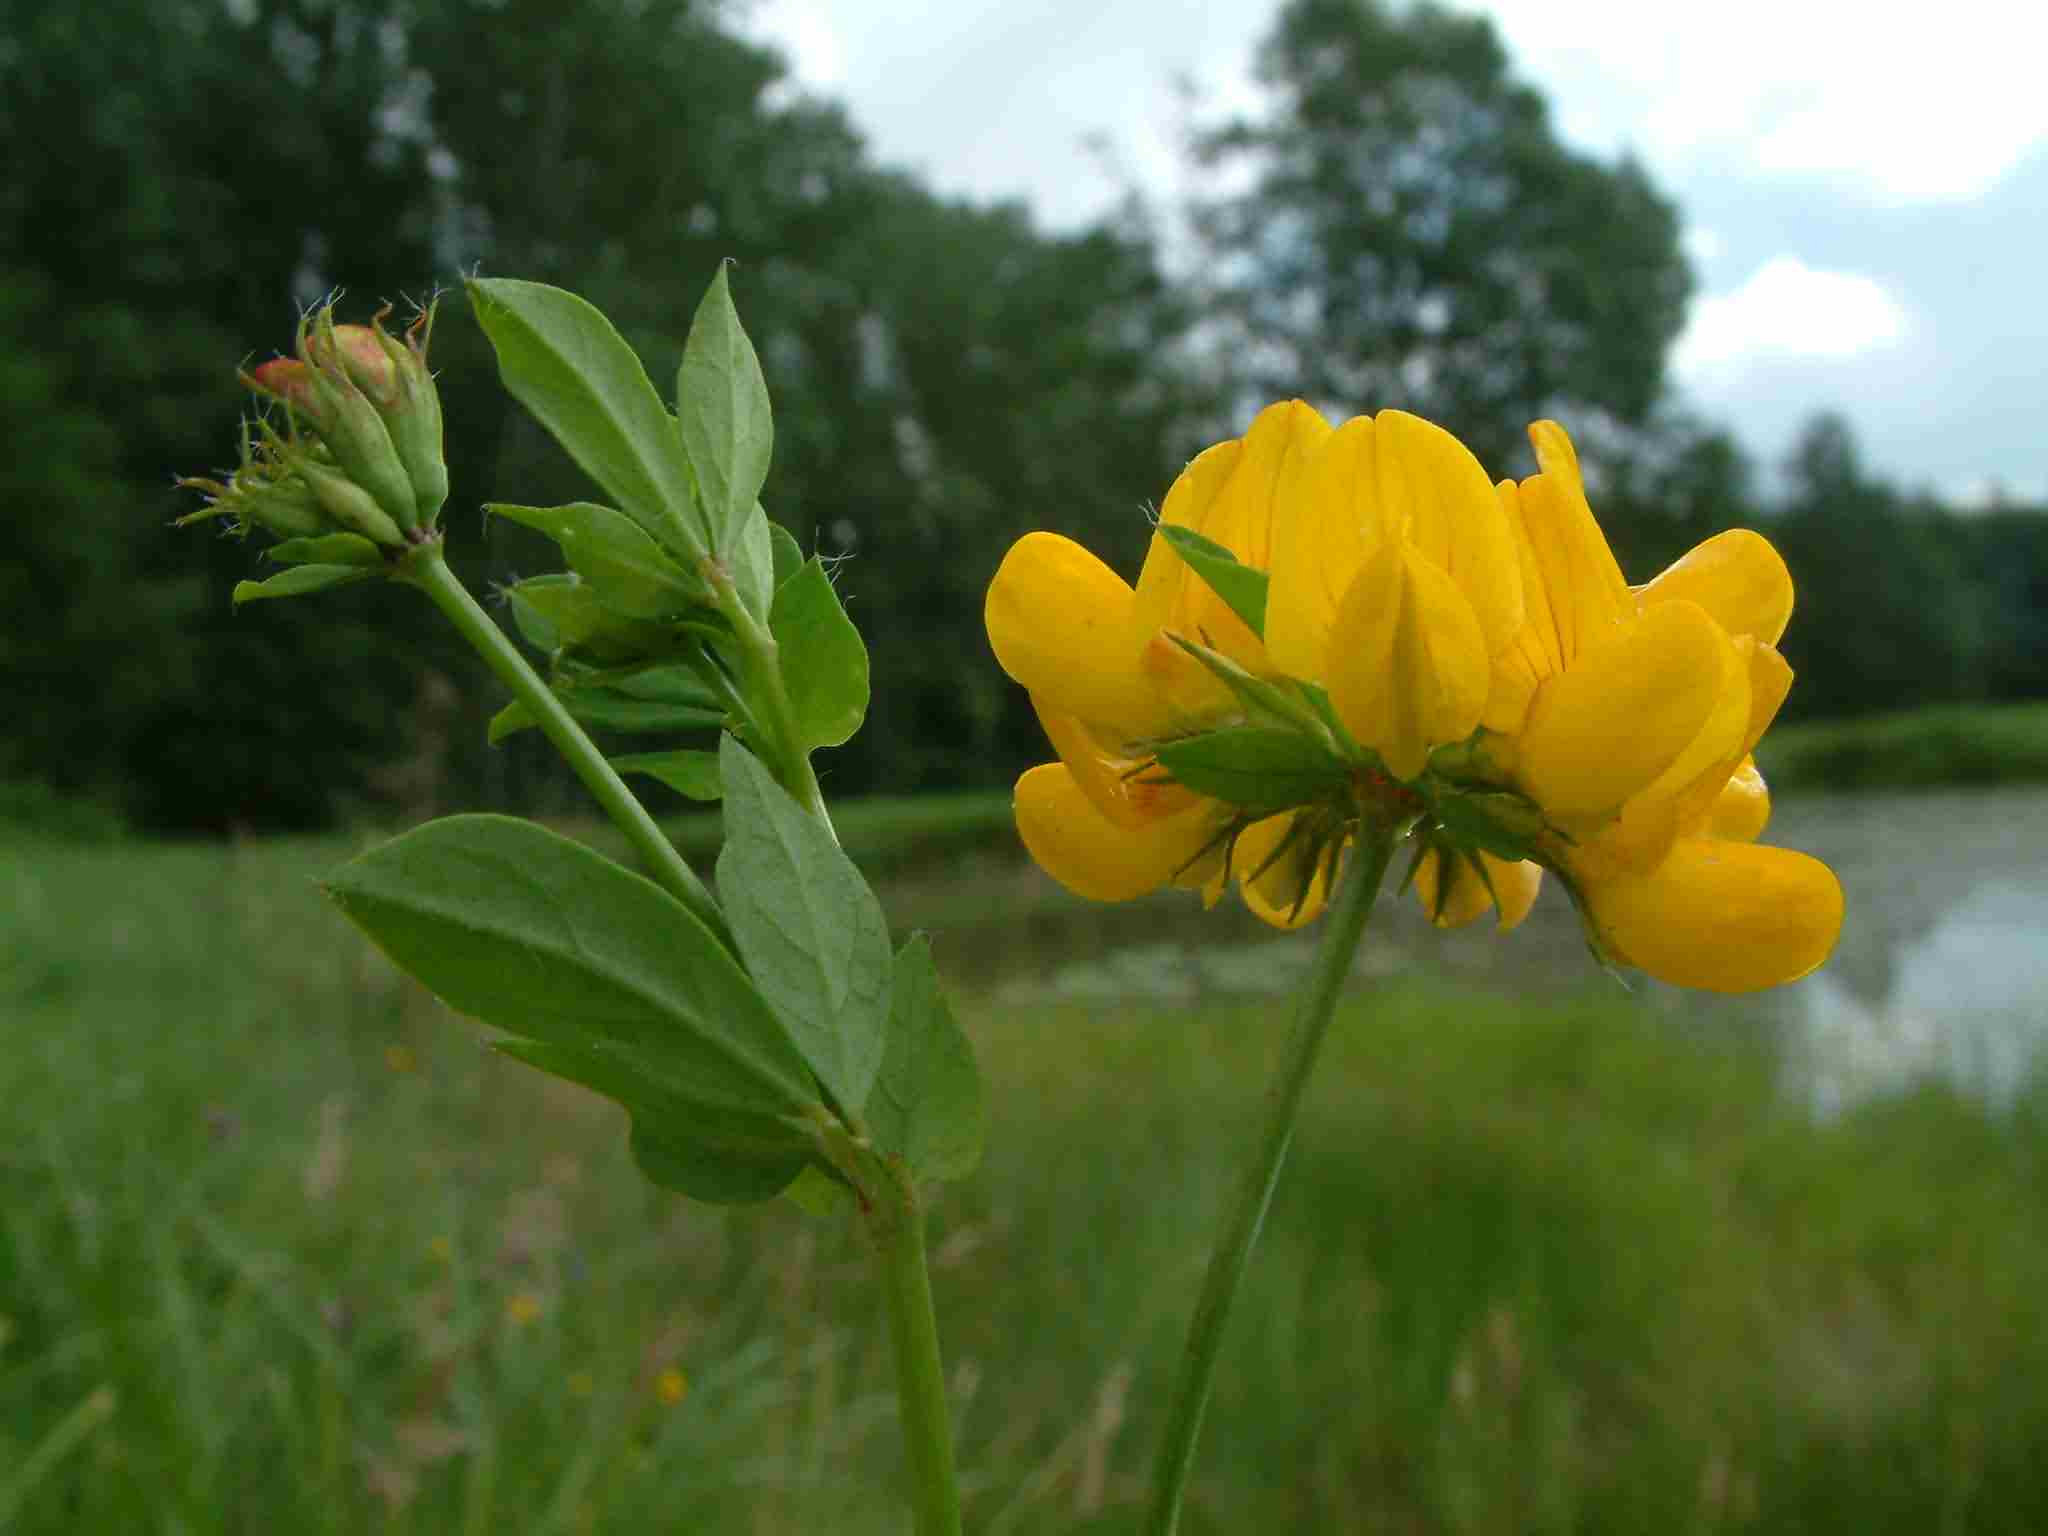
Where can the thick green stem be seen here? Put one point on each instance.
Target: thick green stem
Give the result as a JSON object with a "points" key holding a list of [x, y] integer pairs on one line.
{"points": [[896, 1222], [761, 662], [1359, 884], [426, 569]]}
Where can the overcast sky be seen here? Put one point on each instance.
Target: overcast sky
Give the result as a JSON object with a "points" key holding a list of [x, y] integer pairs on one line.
{"points": [[1866, 204]]}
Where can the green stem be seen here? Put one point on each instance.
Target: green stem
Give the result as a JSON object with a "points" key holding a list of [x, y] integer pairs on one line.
{"points": [[426, 568], [761, 660], [896, 1221], [1359, 884]]}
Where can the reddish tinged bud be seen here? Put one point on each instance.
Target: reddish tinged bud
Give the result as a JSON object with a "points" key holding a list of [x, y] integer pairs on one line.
{"points": [[286, 379], [360, 354]]}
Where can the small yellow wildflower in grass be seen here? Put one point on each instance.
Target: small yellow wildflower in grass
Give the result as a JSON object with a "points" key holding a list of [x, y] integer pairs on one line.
{"points": [[400, 1059], [442, 1250], [671, 1386], [521, 1308]]}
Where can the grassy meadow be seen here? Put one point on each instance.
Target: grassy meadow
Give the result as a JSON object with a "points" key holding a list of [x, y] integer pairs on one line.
{"points": [[284, 1248]]}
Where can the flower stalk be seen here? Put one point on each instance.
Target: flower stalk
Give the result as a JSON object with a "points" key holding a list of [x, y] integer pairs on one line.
{"points": [[1358, 886], [426, 568]]}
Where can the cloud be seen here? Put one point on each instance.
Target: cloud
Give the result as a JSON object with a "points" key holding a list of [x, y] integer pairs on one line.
{"points": [[1788, 309], [1906, 114]]}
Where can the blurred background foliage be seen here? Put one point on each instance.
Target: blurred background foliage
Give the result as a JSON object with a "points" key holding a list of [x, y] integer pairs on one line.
{"points": [[1407, 230]]}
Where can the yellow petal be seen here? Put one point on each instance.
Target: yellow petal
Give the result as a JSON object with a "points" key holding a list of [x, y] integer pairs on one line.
{"points": [[1433, 492], [1737, 577], [1234, 500], [1408, 667], [1318, 548], [1515, 883], [1280, 880], [1725, 917], [1623, 713], [1770, 679], [1587, 596], [1532, 656], [1743, 808], [1094, 858], [1059, 621], [1118, 786], [1720, 739]]}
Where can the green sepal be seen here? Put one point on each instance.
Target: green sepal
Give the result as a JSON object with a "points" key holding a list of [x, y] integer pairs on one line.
{"points": [[1497, 821], [297, 580], [810, 930], [823, 659], [328, 549], [567, 364], [1241, 586], [616, 558], [1257, 768], [716, 1156], [1262, 700], [722, 404], [926, 1106], [690, 773]]}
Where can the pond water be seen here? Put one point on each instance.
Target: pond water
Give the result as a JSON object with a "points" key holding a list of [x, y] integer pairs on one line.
{"points": [[1942, 968]]}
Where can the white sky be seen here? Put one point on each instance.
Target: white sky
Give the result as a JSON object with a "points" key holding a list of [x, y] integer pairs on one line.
{"points": [[1866, 201]]}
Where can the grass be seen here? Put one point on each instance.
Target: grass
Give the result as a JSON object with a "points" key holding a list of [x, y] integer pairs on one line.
{"points": [[1961, 744], [283, 1248]]}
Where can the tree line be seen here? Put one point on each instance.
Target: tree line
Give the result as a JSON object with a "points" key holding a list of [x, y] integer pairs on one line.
{"points": [[186, 173]]}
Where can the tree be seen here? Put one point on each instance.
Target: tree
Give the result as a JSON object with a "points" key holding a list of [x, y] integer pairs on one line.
{"points": [[1413, 234]]}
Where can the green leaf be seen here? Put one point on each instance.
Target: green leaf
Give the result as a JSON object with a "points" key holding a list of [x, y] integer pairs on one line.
{"points": [[688, 773], [1243, 587], [563, 361], [543, 938], [816, 1192], [1256, 767], [646, 701], [720, 1157], [300, 579], [789, 555], [572, 614], [529, 616], [614, 555], [926, 1106], [808, 927], [753, 563], [824, 662], [328, 549], [723, 402]]}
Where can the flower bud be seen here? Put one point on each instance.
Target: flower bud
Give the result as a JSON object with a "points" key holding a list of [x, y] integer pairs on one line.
{"points": [[371, 401]]}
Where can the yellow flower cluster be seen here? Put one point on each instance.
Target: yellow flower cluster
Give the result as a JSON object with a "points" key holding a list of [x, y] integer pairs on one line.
{"points": [[1433, 610]]}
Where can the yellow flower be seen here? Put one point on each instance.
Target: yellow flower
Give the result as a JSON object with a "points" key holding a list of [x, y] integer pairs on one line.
{"points": [[671, 1386], [1396, 584], [1632, 715], [521, 1308], [1108, 679]]}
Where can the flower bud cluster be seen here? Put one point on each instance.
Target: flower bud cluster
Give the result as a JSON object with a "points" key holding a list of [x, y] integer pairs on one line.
{"points": [[361, 448]]}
